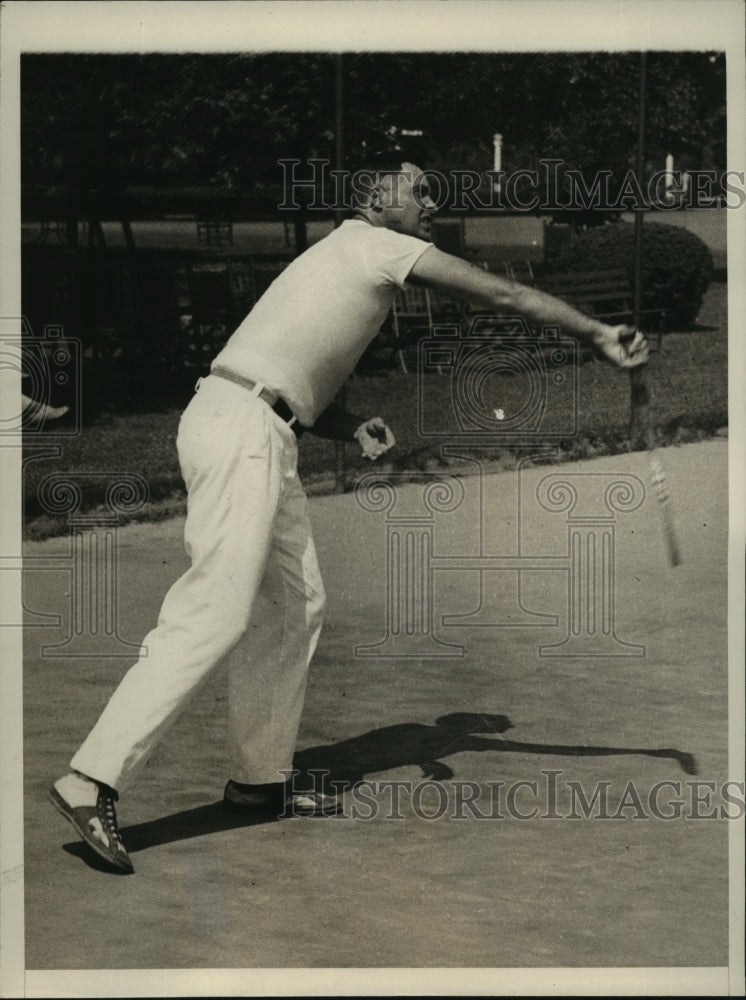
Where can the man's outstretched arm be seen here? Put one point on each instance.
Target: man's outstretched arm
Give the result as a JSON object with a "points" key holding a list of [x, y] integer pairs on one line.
{"points": [[621, 345]]}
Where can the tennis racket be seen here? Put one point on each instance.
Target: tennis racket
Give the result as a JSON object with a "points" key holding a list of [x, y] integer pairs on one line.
{"points": [[641, 434]]}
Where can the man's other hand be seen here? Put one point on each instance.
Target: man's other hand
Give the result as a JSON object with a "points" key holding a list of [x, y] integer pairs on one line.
{"points": [[374, 438]]}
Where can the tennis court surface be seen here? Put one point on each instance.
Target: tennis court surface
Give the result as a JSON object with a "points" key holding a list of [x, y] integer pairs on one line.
{"points": [[507, 807]]}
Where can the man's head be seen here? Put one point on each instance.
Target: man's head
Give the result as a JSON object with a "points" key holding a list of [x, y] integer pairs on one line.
{"points": [[395, 195]]}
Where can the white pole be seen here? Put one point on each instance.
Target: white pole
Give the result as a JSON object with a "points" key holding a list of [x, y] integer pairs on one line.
{"points": [[497, 142], [669, 176]]}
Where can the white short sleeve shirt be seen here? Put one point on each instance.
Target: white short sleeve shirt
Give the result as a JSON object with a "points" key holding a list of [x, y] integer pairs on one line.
{"points": [[307, 332]]}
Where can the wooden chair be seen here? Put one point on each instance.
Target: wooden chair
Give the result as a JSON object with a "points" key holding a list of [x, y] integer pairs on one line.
{"points": [[520, 270], [412, 310]]}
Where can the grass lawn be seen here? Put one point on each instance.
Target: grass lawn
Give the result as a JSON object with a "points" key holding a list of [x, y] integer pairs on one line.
{"points": [[690, 401]]}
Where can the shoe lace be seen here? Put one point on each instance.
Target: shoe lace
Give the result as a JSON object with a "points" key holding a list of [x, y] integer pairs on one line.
{"points": [[108, 815]]}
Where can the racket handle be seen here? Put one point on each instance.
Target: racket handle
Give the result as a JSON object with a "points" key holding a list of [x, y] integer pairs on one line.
{"points": [[640, 433]]}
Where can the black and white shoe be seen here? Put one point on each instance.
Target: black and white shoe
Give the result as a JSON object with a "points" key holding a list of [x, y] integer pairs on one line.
{"points": [[280, 799], [97, 825]]}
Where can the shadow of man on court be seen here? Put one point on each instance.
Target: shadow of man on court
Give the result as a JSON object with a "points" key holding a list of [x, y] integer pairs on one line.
{"points": [[347, 762]]}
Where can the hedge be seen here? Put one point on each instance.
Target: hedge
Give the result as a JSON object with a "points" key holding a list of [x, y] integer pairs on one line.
{"points": [[676, 265]]}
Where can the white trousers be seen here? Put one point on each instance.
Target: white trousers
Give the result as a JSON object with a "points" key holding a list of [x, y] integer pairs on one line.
{"points": [[253, 595]]}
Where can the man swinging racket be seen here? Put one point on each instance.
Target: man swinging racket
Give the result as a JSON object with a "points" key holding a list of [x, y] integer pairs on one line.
{"points": [[247, 531]]}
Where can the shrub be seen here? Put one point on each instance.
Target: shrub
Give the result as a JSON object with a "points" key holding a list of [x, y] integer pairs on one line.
{"points": [[676, 265]]}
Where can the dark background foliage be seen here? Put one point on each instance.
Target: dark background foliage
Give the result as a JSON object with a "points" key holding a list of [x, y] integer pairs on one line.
{"points": [[225, 120]]}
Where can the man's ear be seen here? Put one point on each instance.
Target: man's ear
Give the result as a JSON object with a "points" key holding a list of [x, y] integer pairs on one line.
{"points": [[369, 197]]}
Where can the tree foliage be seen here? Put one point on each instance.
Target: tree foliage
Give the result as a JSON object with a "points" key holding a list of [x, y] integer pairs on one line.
{"points": [[225, 120]]}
